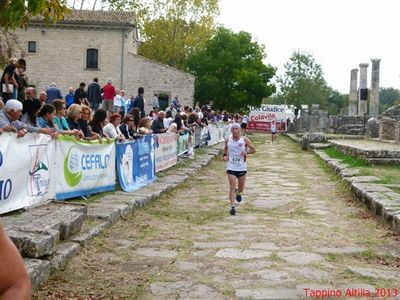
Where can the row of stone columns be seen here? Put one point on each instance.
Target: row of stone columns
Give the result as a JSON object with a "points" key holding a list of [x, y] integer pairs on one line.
{"points": [[358, 98]]}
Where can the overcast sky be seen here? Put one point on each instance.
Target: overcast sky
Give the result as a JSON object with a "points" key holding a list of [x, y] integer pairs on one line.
{"points": [[340, 34]]}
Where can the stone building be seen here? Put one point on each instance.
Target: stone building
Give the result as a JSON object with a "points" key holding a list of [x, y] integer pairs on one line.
{"points": [[103, 44]]}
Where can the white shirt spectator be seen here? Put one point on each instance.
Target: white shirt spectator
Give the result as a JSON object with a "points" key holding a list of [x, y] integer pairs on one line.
{"points": [[117, 101], [167, 122], [111, 131]]}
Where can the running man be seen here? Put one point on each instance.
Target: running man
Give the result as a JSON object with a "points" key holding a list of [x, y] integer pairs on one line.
{"points": [[235, 153], [273, 130]]}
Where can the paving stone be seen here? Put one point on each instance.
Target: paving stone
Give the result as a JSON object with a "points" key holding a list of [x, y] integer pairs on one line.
{"points": [[124, 244], [375, 273], [300, 258], [271, 275], [265, 246], [215, 244], [203, 253], [309, 273], [318, 212], [152, 252], [267, 293], [242, 254], [203, 236], [181, 289], [168, 288], [188, 266], [341, 250], [262, 203]]}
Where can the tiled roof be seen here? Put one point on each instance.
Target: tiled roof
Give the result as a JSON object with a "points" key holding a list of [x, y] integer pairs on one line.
{"points": [[106, 17]]}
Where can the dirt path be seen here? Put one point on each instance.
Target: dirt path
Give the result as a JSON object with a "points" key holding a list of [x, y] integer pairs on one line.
{"points": [[297, 233]]}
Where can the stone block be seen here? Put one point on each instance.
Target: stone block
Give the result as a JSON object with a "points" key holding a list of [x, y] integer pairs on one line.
{"points": [[85, 237], [70, 223], [108, 212], [38, 271], [33, 245], [63, 253]]}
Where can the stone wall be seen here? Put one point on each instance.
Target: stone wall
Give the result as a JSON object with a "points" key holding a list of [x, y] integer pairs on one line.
{"points": [[61, 57], [156, 77], [353, 125]]}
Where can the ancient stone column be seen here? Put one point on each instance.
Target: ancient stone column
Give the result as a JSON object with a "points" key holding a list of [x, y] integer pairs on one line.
{"points": [[363, 91], [374, 96], [353, 93]]}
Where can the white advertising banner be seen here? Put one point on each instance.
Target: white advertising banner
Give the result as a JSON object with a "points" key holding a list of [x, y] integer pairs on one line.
{"points": [[165, 151], [83, 168], [260, 117], [214, 135], [26, 170]]}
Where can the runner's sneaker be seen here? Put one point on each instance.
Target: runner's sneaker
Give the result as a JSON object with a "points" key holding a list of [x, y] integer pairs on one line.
{"points": [[238, 196], [233, 211]]}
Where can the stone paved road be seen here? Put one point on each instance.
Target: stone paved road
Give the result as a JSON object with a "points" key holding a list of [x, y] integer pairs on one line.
{"points": [[297, 233]]}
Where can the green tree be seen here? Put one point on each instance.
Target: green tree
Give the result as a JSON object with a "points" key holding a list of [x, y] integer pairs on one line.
{"points": [[388, 97], [336, 102], [230, 71], [303, 81], [16, 13], [172, 29]]}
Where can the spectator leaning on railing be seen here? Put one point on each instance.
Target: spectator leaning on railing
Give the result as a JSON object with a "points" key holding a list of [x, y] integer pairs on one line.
{"points": [[112, 130], [9, 120], [86, 117], [61, 122], [158, 124], [128, 128]]}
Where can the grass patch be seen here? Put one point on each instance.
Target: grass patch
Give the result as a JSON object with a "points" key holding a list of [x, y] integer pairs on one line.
{"points": [[351, 161]]}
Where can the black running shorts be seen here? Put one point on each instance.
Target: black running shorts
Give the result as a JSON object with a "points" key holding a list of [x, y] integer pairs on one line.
{"points": [[236, 173]]}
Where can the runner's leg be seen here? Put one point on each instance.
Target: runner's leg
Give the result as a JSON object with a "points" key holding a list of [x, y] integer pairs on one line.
{"points": [[232, 187], [241, 182]]}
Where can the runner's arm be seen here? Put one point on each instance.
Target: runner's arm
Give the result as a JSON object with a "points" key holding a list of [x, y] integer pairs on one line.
{"points": [[225, 155], [14, 280], [250, 146]]}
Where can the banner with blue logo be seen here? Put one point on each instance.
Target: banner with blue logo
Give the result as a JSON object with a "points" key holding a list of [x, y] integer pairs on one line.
{"points": [[135, 163], [26, 170], [83, 168]]}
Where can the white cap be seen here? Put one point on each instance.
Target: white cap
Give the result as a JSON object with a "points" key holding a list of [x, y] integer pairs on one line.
{"points": [[13, 104], [235, 125]]}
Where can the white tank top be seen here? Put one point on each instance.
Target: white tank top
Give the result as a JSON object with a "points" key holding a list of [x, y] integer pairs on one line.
{"points": [[236, 162], [273, 127]]}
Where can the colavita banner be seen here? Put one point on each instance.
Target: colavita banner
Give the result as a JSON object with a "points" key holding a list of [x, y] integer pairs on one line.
{"points": [[260, 117], [83, 168], [26, 170]]}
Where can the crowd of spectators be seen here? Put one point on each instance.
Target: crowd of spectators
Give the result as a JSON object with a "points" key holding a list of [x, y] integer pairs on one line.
{"points": [[96, 113]]}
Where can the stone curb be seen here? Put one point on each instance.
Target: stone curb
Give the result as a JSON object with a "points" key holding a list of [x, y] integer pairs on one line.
{"points": [[108, 210], [380, 199]]}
